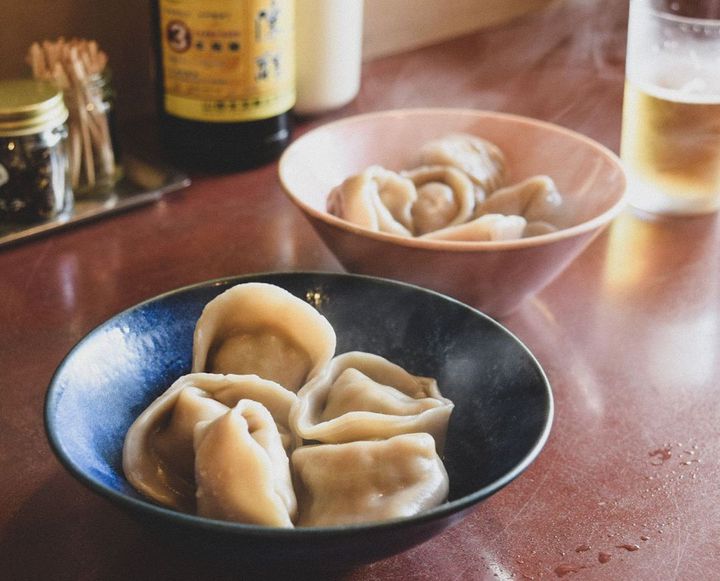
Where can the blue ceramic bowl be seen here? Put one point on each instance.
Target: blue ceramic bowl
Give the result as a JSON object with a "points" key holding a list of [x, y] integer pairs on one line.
{"points": [[502, 417]]}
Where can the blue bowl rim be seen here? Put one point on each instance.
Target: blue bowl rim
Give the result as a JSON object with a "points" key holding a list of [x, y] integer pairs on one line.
{"points": [[445, 511]]}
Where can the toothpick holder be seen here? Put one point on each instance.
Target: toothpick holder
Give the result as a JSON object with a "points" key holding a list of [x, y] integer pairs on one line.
{"points": [[91, 140]]}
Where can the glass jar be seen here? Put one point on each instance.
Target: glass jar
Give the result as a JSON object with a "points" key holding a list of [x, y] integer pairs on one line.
{"points": [[91, 150], [34, 186]]}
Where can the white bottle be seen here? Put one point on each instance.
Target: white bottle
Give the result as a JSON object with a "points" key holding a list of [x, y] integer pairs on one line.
{"points": [[328, 41]]}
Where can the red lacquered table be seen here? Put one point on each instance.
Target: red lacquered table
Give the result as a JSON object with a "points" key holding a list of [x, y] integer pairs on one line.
{"points": [[627, 486]]}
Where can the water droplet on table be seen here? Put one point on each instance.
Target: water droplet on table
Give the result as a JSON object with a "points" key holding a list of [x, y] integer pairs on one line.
{"points": [[566, 568], [628, 547], [660, 455]]}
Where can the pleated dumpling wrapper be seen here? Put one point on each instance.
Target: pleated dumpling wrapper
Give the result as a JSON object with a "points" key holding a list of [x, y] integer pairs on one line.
{"points": [[536, 199], [262, 329], [363, 396], [158, 454], [482, 161], [377, 199], [445, 197], [242, 470], [486, 228], [360, 482]]}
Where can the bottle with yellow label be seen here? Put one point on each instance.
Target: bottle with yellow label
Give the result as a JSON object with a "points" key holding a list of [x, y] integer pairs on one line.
{"points": [[226, 80]]}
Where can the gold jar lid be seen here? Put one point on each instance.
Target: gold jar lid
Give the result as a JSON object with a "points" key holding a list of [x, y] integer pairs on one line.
{"points": [[28, 106]]}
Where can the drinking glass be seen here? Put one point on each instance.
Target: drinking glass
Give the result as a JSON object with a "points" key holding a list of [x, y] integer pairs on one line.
{"points": [[671, 113]]}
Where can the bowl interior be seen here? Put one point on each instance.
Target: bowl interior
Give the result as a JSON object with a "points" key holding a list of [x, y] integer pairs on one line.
{"points": [[503, 403], [588, 175]]}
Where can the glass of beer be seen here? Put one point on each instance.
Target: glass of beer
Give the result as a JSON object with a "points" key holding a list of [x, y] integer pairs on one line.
{"points": [[671, 112]]}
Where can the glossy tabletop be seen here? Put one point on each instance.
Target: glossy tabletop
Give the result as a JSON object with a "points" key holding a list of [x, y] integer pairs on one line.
{"points": [[628, 484]]}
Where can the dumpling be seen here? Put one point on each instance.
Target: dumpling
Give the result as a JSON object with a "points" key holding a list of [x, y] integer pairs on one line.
{"points": [[489, 227], [242, 470], [538, 228], [158, 455], [396, 194], [361, 482], [230, 389], [262, 329], [482, 161], [377, 199], [445, 196], [355, 391], [363, 396], [535, 199]]}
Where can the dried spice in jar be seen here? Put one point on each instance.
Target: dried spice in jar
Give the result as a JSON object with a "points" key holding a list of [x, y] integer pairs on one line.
{"points": [[33, 158]]}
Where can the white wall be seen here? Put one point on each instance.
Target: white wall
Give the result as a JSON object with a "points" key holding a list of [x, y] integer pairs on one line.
{"points": [[392, 26]]}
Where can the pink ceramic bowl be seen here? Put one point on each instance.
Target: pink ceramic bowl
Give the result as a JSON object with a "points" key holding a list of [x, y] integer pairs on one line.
{"points": [[495, 277]]}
